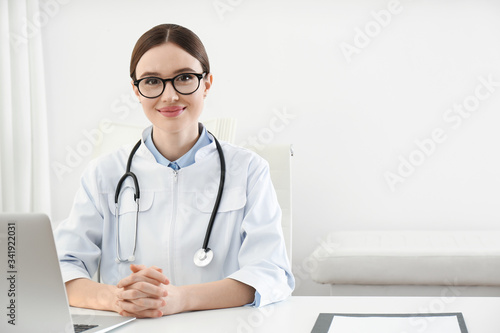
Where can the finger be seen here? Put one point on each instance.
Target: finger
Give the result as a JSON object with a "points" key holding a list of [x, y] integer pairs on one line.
{"points": [[142, 289], [157, 268], [131, 312], [141, 304], [147, 303], [131, 280], [153, 273], [143, 314], [148, 275], [130, 307], [136, 268], [138, 310], [130, 294], [126, 314]]}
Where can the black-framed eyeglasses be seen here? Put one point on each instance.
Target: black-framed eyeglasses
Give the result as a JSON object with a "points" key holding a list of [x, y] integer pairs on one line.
{"points": [[184, 84]]}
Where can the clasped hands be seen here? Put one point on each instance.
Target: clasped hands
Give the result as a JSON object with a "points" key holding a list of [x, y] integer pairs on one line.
{"points": [[146, 293]]}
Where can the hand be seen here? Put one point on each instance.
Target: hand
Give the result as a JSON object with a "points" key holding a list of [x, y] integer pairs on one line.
{"points": [[141, 293]]}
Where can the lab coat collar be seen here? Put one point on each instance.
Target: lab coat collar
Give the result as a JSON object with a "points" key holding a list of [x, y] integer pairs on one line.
{"points": [[205, 151], [144, 152]]}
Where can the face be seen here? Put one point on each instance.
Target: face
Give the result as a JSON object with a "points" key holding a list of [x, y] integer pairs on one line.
{"points": [[172, 112]]}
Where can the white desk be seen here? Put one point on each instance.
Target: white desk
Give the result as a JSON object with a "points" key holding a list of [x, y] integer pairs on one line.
{"points": [[298, 314]]}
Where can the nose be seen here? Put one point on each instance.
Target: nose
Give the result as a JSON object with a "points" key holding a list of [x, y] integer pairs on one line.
{"points": [[169, 94]]}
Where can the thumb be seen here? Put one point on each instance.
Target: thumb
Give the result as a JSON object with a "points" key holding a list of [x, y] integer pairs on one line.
{"points": [[136, 268], [157, 268]]}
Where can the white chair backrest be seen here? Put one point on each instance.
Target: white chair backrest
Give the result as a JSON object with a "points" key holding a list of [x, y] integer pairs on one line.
{"points": [[224, 129], [119, 135]]}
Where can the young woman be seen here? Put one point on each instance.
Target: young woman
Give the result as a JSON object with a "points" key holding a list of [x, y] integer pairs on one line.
{"points": [[146, 243]]}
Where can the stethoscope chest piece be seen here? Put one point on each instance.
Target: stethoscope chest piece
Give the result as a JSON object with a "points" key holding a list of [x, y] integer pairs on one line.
{"points": [[202, 258]]}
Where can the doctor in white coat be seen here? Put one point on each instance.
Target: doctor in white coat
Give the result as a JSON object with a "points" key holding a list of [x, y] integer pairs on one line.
{"points": [[150, 271]]}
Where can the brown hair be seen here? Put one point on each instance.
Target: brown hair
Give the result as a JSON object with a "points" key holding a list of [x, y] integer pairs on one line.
{"points": [[173, 33]]}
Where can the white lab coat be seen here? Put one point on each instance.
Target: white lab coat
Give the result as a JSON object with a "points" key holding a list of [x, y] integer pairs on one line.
{"points": [[175, 208]]}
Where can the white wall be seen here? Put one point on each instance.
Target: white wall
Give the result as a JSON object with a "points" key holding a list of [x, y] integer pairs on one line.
{"points": [[280, 70]]}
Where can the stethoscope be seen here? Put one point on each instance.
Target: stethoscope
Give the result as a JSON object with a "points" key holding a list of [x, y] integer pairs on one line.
{"points": [[203, 256]]}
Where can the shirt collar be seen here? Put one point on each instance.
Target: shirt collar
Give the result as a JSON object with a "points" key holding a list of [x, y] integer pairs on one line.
{"points": [[185, 160]]}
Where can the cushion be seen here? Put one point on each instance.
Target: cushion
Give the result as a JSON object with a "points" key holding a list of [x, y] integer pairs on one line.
{"points": [[409, 257]]}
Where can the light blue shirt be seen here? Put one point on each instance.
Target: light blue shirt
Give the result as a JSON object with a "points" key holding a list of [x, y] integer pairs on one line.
{"points": [[185, 160]]}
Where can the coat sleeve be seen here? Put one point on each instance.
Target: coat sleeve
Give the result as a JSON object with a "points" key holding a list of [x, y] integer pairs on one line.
{"points": [[79, 237], [262, 258]]}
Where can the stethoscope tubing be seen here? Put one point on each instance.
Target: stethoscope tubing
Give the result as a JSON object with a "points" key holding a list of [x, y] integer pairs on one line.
{"points": [[207, 254], [219, 195], [130, 174]]}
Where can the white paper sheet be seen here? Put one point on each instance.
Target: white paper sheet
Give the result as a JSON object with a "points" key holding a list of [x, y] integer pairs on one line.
{"points": [[428, 324]]}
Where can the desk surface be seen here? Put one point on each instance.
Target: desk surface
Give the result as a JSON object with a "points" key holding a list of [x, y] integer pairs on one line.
{"points": [[298, 314]]}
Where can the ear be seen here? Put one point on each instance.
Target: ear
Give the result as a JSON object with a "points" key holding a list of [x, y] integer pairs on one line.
{"points": [[207, 83], [136, 91]]}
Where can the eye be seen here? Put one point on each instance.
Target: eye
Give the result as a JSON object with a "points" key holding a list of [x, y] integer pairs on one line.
{"points": [[184, 78], [152, 81]]}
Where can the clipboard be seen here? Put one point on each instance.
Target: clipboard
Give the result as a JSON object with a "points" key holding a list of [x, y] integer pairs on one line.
{"points": [[324, 320]]}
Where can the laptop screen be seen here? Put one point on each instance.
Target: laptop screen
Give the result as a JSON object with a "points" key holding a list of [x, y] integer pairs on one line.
{"points": [[32, 293]]}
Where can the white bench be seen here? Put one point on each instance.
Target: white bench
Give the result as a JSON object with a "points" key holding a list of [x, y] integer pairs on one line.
{"points": [[409, 263]]}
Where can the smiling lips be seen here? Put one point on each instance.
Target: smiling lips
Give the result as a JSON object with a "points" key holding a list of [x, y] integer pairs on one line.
{"points": [[171, 111]]}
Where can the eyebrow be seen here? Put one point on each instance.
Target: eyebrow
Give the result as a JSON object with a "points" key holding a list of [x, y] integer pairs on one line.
{"points": [[178, 71]]}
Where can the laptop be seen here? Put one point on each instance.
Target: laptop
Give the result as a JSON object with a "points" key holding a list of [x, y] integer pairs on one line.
{"points": [[32, 293]]}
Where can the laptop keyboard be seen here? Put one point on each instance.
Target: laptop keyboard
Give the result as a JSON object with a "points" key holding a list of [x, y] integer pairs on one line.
{"points": [[82, 328]]}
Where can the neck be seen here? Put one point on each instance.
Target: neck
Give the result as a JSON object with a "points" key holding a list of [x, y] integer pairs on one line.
{"points": [[173, 145]]}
